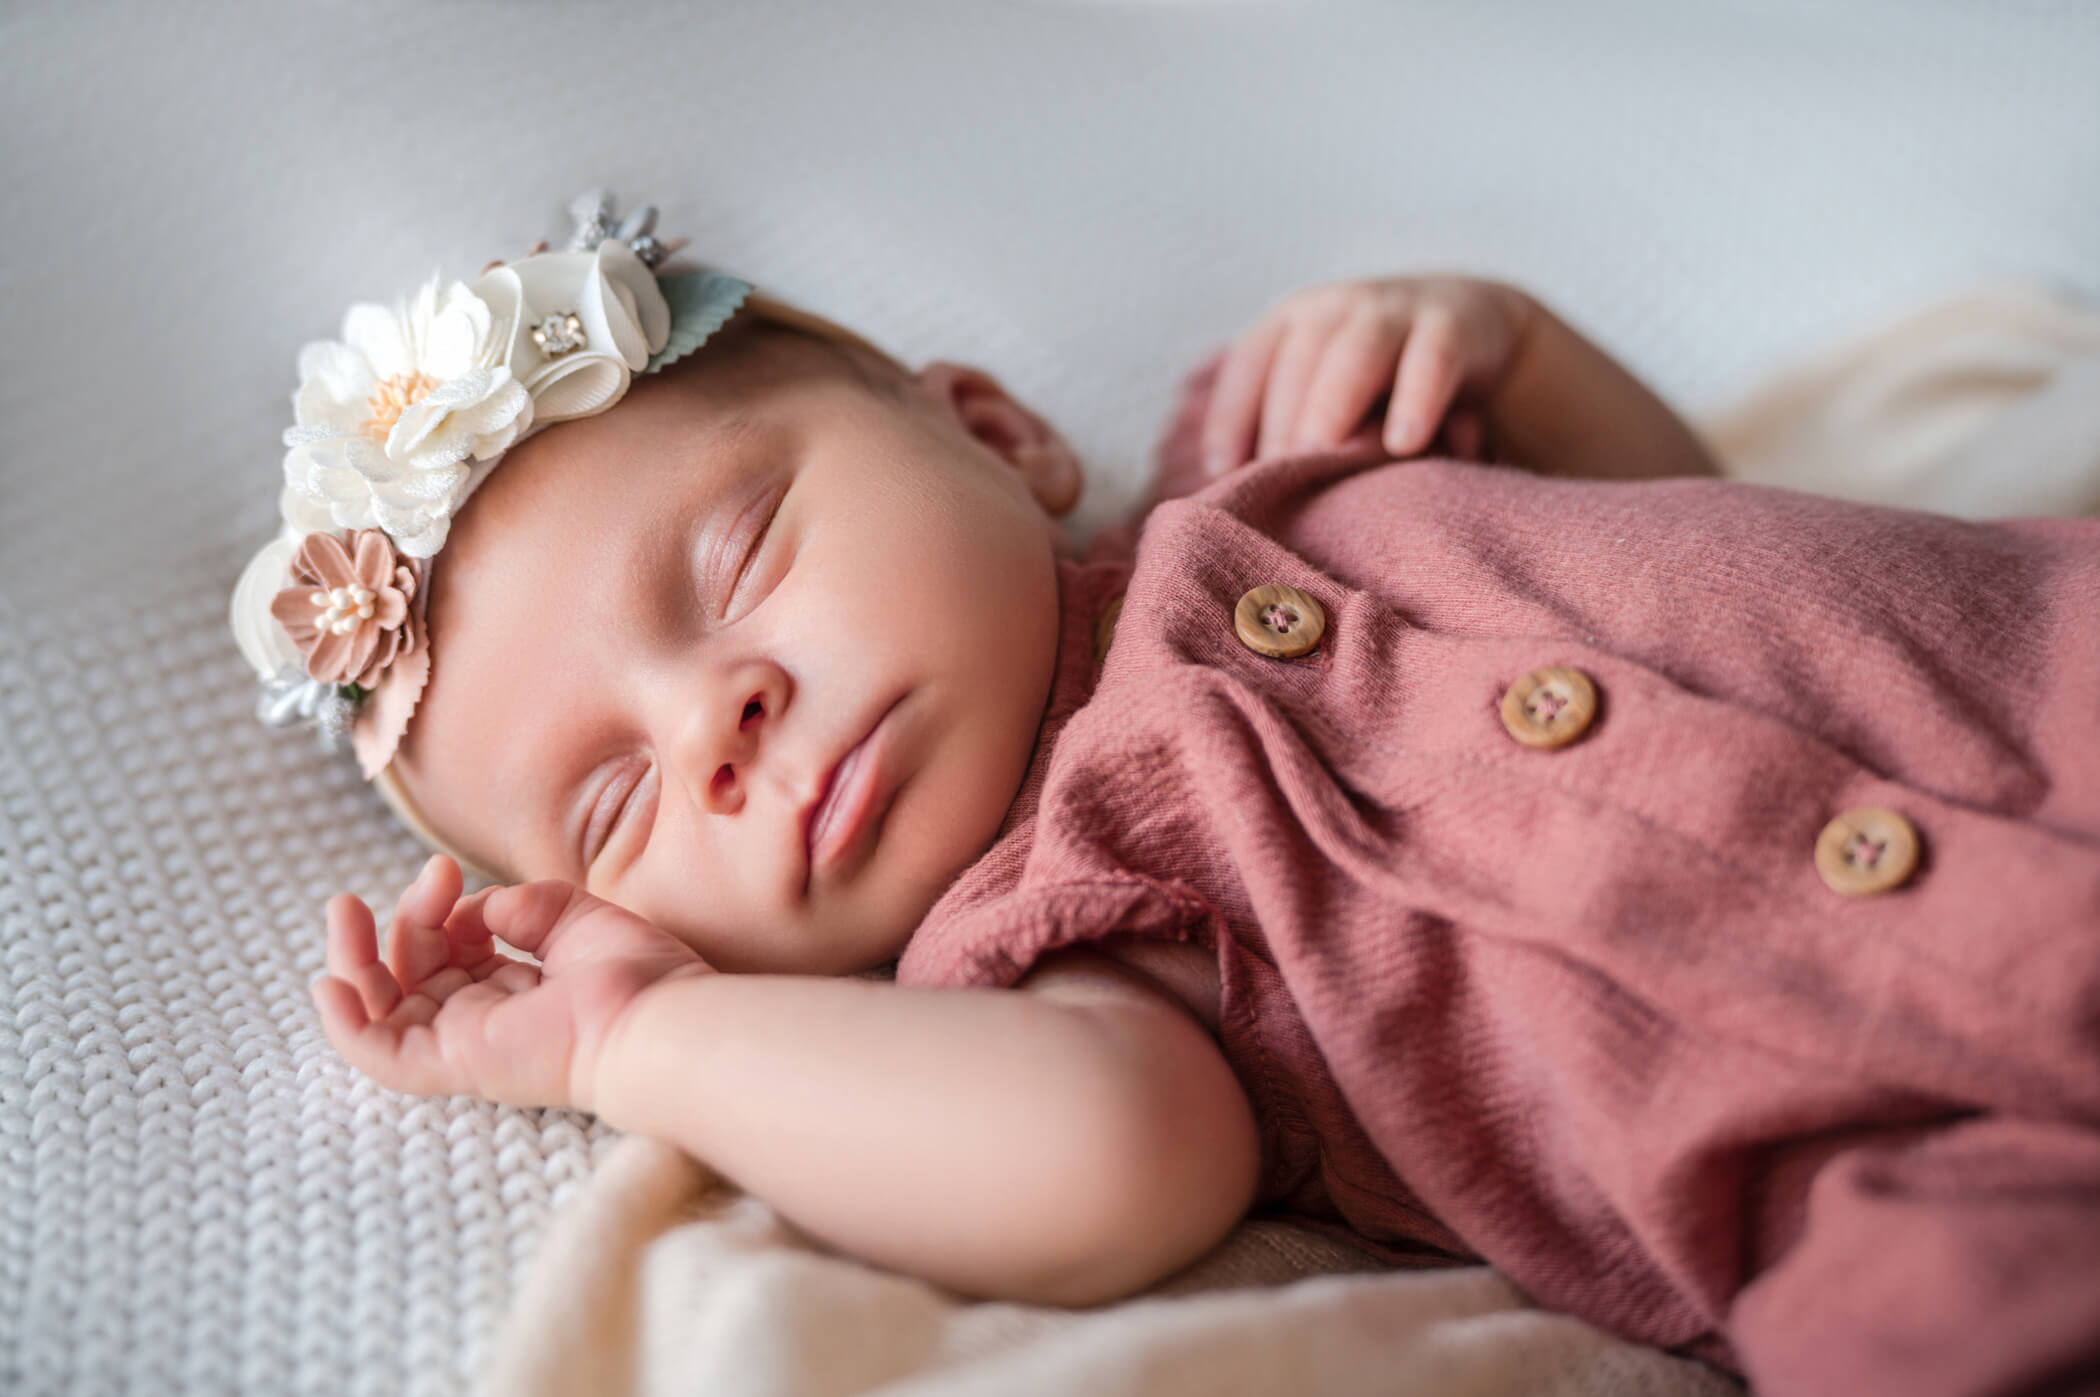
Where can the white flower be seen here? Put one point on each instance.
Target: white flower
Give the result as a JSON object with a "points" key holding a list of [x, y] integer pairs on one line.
{"points": [[388, 416], [599, 316]]}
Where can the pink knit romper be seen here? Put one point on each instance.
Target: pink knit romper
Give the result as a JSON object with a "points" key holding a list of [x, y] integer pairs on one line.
{"points": [[1590, 1012]]}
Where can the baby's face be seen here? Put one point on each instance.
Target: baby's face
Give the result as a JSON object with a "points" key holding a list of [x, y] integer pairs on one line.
{"points": [[763, 668]]}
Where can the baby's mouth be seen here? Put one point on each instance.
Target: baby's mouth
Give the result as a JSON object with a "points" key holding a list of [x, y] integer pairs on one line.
{"points": [[844, 809]]}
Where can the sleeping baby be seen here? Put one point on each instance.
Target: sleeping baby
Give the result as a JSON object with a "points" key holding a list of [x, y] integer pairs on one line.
{"points": [[1445, 812]]}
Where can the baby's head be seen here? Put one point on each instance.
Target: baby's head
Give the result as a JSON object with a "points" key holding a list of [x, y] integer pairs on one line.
{"points": [[759, 653]]}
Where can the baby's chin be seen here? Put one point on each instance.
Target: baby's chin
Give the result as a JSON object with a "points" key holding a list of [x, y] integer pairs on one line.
{"points": [[938, 829], [876, 932]]}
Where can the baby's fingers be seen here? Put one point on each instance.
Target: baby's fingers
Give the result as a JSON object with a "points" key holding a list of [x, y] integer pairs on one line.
{"points": [[1357, 365], [1290, 374], [416, 944], [353, 957], [1431, 369], [404, 1056]]}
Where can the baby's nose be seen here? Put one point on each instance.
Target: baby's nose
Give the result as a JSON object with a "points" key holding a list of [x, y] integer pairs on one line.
{"points": [[722, 787], [722, 737], [731, 756]]}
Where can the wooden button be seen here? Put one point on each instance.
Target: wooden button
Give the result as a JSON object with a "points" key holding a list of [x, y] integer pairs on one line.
{"points": [[1105, 629], [1865, 851], [1279, 621], [1549, 707]]}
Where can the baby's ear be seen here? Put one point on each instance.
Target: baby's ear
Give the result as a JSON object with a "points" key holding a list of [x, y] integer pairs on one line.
{"points": [[976, 402]]}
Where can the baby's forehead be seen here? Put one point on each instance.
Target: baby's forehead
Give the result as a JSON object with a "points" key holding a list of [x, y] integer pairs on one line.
{"points": [[632, 455], [572, 504], [705, 415]]}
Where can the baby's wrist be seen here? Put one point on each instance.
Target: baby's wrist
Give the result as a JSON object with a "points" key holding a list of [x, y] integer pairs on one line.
{"points": [[627, 1067]]}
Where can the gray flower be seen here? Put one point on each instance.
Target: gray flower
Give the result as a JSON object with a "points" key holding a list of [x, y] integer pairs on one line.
{"points": [[291, 698], [596, 220]]}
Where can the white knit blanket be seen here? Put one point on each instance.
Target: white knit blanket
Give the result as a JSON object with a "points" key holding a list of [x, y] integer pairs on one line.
{"points": [[195, 1195]]}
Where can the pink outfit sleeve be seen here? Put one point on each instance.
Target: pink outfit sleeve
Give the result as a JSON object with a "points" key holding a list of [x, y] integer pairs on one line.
{"points": [[1956, 1263]]}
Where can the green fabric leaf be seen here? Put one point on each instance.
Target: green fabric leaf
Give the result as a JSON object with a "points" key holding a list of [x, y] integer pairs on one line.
{"points": [[701, 303]]}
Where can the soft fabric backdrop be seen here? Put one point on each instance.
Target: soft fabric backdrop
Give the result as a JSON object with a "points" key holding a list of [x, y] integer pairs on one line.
{"points": [[194, 1194]]}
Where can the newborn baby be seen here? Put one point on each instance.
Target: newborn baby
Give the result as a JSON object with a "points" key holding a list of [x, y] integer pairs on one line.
{"points": [[1683, 895]]}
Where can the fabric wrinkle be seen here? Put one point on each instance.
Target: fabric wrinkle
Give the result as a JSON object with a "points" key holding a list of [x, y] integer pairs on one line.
{"points": [[1590, 1012]]}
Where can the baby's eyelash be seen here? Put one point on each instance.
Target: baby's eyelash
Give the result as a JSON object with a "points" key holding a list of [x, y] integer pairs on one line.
{"points": [[593, 847], [758, 539]]}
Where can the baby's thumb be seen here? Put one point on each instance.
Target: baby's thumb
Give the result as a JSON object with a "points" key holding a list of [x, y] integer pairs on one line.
{"points": [[529, 915]]}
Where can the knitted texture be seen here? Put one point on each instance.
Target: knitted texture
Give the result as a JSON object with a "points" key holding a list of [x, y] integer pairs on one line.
{"points": [[196, 1194]]}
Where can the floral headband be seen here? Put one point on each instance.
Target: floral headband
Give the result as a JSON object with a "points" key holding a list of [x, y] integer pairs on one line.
{"points": [[398, 422]]}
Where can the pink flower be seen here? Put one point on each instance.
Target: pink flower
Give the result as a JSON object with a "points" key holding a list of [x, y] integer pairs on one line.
{"points": [[350, 609]]}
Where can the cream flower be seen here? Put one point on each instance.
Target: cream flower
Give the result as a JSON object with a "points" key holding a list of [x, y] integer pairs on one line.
{"points": [[575, 327], [388, 416], [262, 639]]}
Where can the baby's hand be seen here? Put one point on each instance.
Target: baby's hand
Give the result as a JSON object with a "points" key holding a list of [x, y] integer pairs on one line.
{"points": [[1312, 368], [447, 1012]]}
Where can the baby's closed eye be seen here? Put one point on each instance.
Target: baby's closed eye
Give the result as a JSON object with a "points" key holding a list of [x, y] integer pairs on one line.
{"points": [[627, 786], [747, 572], [728, 571]]}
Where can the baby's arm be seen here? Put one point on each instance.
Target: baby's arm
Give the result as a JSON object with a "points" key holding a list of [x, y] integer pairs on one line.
{"points": [[1067, 1144], [1477, 366]]}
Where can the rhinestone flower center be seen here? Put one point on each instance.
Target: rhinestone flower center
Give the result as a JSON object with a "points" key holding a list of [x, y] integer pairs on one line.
{"points": [[559, 333], [393, 397]]}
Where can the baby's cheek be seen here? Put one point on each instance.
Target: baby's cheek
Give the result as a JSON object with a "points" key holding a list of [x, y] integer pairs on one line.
{"points": [[942, 821]]}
